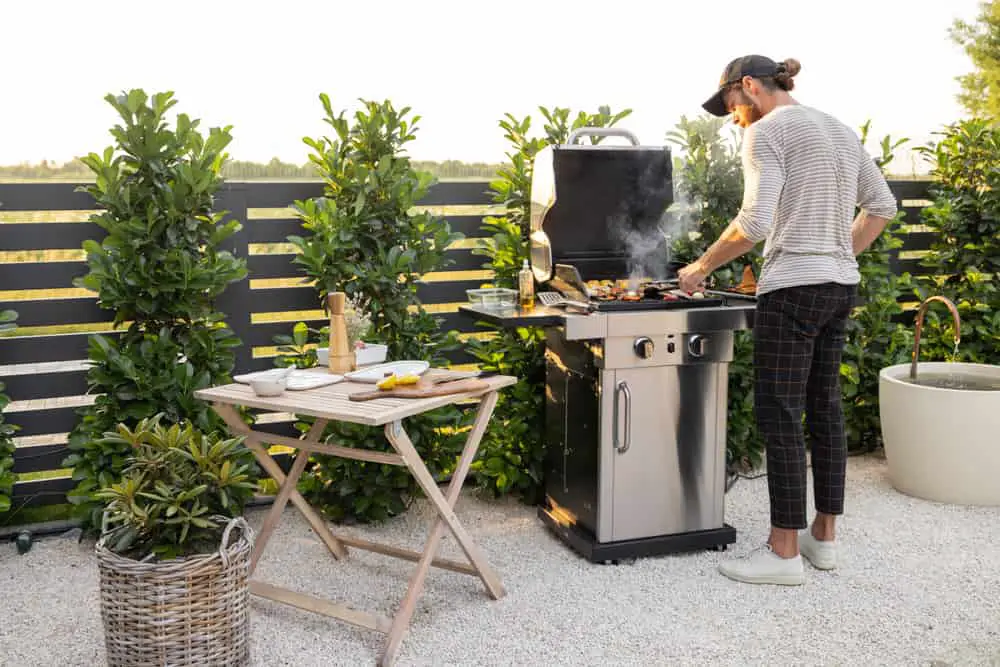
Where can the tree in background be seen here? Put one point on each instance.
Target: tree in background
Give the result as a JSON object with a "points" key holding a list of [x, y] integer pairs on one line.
{"points": [[238, 170], [981, 40]]}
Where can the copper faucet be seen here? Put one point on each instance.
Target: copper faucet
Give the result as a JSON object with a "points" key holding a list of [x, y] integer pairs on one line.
{"points": [[920, 325]]}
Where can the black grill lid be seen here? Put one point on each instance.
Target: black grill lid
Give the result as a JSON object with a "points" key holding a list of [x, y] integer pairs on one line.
{"points": [[600, 207]]}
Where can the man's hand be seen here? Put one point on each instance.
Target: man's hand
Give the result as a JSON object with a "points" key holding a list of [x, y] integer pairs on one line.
{"points": [[865, 230], [692, 276], [731, 244]]}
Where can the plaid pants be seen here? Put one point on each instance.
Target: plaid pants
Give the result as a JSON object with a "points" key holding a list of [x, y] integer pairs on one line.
{"points": [[799, 335]]}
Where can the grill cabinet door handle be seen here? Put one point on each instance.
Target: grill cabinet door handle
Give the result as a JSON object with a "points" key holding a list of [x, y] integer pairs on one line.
{"points": [[622, 447]]}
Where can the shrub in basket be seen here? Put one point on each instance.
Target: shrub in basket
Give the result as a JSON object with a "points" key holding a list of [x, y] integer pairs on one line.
{"points": [[174, 552]]}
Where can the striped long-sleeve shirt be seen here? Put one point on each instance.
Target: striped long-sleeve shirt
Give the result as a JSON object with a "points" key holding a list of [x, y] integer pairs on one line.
{"points": [[804, 174]]}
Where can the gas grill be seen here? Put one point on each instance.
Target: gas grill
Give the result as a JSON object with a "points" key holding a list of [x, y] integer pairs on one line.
{"points": [[636, 372]]}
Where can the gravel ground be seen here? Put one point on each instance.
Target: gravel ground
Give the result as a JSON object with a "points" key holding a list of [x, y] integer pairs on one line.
{"points": [[919, 585]]}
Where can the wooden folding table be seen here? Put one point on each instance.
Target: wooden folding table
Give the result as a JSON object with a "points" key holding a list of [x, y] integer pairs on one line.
{"points": [[331, 403]]}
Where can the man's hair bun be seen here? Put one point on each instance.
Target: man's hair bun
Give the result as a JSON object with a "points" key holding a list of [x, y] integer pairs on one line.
{"points": [[787, 69]]}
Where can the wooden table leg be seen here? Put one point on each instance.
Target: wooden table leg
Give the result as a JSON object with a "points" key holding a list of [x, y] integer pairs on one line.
{"points": [[254, 443], [444, 507], [284, 491]]}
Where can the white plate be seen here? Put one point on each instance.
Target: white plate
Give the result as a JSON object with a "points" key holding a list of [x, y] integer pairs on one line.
{"points": [[377, 373], [298, 380]]}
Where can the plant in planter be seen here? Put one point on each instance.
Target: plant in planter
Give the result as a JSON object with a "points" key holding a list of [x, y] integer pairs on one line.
{"points": [[512, 453], [364, 238], [159, 270], [7, 477], [965, 254], [174, 577]]}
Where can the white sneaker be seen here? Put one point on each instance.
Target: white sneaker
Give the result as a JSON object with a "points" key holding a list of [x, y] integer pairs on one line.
{"points": [[822, 554], [763, 566]]}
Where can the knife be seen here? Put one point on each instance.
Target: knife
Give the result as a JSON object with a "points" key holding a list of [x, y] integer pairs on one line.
{"points": [[478, 375], [445, 376]]}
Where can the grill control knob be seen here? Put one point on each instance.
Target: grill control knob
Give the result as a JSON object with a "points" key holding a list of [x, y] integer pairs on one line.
{"points": [[643, 347], [696, 345]]}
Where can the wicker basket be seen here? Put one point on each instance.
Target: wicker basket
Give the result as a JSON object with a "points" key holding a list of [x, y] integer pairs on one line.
{"points": [[187, 611]]}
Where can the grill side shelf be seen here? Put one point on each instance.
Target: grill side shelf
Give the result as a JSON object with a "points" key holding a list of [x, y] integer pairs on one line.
{"points": [[512, 318]]}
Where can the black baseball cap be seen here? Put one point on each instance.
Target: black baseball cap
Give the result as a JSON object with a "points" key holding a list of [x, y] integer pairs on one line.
{"points": [[755, 66]]}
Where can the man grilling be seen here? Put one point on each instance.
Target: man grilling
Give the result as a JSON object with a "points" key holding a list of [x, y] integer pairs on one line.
{"points": [[805, 172]]}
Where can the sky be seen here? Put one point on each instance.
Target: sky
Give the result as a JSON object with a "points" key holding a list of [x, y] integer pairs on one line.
{"points": [[460, 65]]}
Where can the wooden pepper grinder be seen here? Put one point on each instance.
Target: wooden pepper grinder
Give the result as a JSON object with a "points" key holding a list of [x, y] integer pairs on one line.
{"points": [[342, 358]]}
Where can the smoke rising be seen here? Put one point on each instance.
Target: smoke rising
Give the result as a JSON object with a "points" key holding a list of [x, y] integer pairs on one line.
{"points": [[648, 243]]}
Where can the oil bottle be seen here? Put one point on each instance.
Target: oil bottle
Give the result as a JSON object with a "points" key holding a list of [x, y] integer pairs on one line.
{"points": [[526, 286]]}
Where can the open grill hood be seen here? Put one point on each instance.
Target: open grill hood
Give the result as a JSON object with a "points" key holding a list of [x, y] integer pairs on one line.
{"points": [[599, 208]]}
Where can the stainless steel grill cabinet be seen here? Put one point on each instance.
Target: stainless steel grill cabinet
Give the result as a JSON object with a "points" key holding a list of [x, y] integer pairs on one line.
{"points": [[636, 433]]}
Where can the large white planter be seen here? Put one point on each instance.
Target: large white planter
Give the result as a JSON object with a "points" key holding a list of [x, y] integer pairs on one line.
{"points": [[942, 444]]}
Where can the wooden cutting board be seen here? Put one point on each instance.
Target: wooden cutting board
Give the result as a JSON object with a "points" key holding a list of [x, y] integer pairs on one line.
{"points": [[423, 390]]}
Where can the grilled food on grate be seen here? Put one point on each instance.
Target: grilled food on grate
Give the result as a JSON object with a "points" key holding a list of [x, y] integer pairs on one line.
{"points": [[652, 290]]}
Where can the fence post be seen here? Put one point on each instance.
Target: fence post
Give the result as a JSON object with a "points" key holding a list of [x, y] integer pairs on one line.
{"points": [[235, 300]]}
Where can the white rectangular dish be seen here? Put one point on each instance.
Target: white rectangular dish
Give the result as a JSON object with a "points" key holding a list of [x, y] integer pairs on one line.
{"points": [[298, 380], [377, 373]]}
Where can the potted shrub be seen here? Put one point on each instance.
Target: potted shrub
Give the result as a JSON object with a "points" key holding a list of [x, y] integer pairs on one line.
{"points": [[174, 551]]}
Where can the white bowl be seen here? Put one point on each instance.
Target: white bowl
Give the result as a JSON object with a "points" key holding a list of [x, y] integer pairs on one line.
{"points": [[273, 385]]}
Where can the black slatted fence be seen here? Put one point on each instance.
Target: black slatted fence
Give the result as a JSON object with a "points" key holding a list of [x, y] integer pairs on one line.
{"points": [[42, 228]]}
